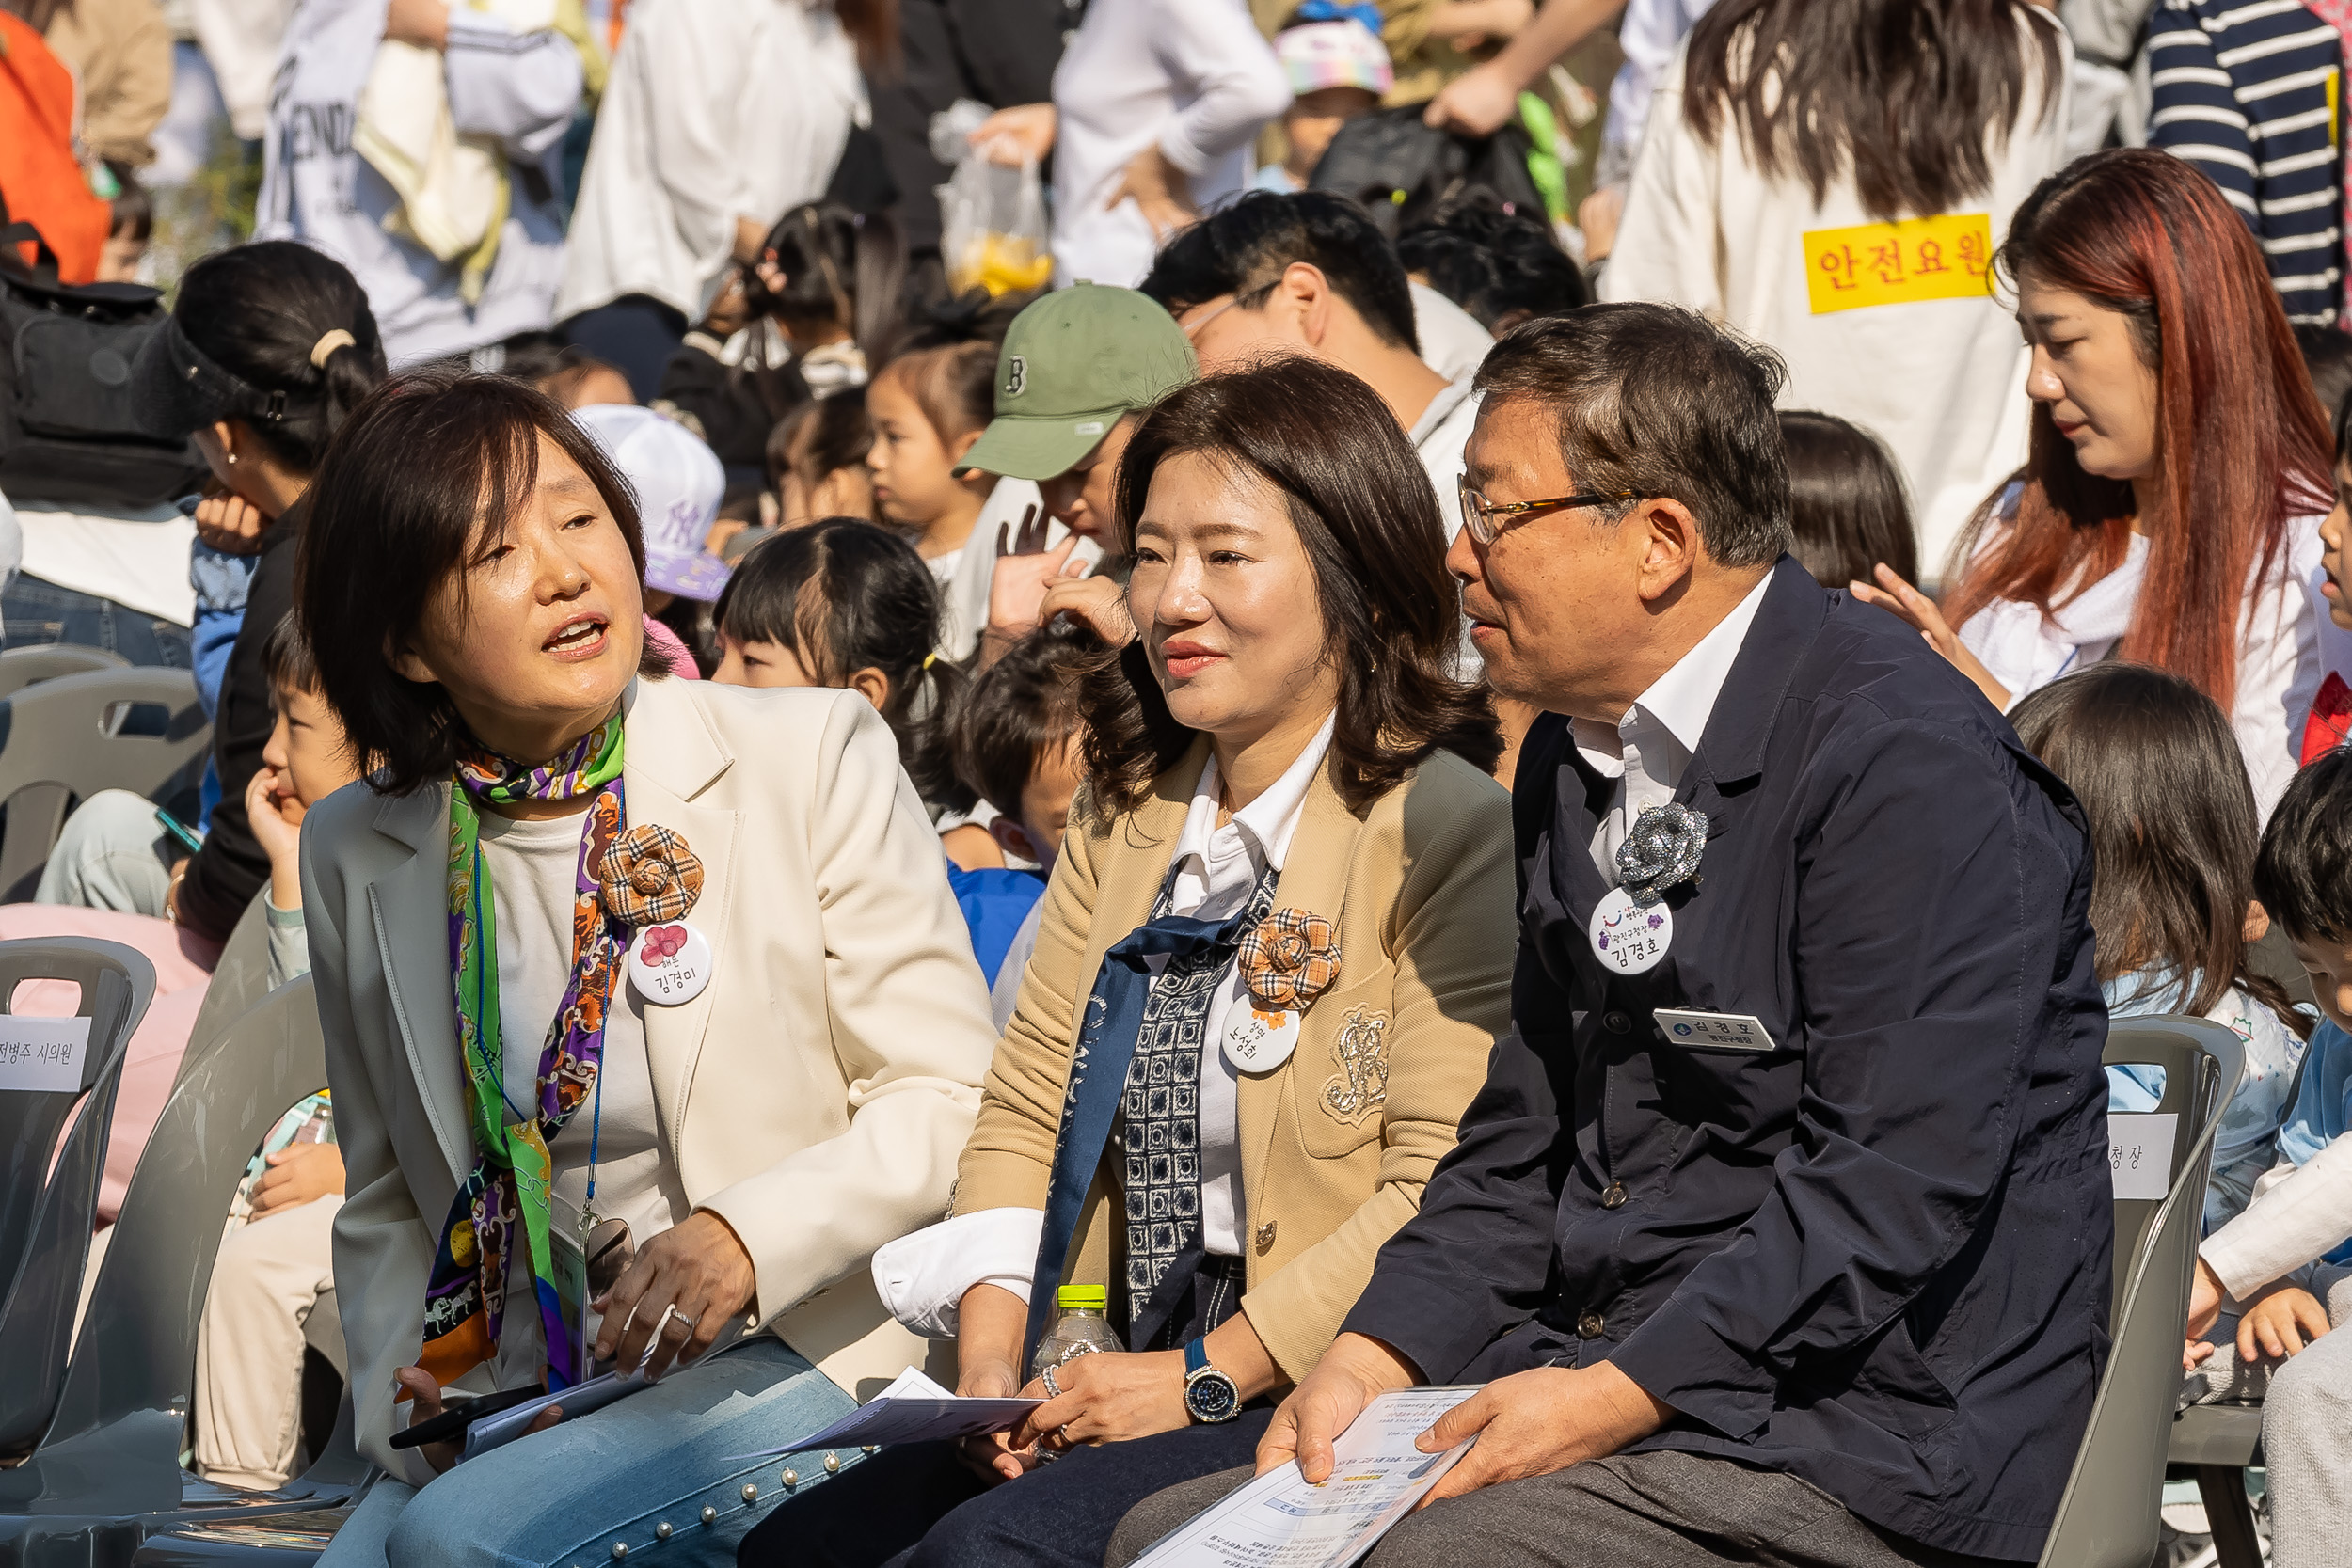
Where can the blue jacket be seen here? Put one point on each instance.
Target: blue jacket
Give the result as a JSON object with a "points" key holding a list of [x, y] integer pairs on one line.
{"points": [[1875, 1258]]}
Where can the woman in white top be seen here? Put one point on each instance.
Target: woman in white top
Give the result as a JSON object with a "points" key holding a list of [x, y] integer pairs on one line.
{"points": [[721, 116], [2179, 467], [648, 1013], [1831, 177], [1155, 104]]}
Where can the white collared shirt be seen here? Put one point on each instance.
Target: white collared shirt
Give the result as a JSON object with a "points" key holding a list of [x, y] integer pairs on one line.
{"points": [[922, 1277], [1657, 735]]}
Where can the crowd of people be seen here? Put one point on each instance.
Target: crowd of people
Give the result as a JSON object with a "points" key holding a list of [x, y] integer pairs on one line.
{"points": [[1190, 807]]}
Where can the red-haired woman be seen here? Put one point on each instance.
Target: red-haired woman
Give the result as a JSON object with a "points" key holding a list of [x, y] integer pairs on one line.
{"points": [[2180, 461]]}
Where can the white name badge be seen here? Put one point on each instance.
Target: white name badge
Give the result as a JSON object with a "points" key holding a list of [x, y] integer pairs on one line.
{"points": [[2140, 1152], [1627, 938], [670, 964], [42, 1055], [1258, 1041], [1715, 1031]]}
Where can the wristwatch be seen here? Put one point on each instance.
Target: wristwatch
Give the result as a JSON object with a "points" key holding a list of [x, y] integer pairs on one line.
{"points": [[1209, 1394]]}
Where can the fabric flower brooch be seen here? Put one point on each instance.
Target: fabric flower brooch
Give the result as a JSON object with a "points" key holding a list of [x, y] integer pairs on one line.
{"points": [[649, 877], [1288, 960]]}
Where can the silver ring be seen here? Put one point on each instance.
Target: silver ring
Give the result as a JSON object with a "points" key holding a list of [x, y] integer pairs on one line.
{"points": [[1053, 1388], [674, 1312]]}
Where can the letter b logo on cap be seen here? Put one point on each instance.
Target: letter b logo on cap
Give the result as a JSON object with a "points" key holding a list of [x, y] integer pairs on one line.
{"points": [[1016, 375]]}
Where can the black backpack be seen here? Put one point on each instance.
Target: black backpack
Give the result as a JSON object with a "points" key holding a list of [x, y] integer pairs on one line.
{"points": [[68, 430], [1397, 168]]}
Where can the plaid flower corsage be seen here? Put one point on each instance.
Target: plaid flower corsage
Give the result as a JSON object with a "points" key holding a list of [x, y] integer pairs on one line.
{"points": [[649, 877], [1288, 960]]}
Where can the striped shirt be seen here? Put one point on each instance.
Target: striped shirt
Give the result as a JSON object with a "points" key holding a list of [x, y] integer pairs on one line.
{"points": [[2247, 91]]}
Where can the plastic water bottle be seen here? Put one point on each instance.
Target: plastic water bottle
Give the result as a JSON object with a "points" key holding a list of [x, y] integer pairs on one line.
{"points": [[1082, 1328]]}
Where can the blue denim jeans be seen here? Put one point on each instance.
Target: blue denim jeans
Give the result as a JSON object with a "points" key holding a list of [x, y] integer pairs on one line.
{"points": [[34, 614], [654, 1473]]}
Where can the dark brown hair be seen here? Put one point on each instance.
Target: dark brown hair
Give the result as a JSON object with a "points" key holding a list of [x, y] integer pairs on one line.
{"points": [[1845, 501], [432, 455], [1904, 93], [1020, 709], [1659, 402], [2174, 829], [1368, 519], [954, 386]]}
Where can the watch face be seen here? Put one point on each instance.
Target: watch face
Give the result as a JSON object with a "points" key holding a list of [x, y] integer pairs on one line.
{"points": [[1210, 1395]]}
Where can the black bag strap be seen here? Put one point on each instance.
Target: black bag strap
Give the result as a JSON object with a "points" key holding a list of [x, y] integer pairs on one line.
{"points": [[44, 267]]}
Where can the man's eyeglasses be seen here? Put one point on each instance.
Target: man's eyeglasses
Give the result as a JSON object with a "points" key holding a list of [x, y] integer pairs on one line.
{"points": [[1486, 521]]}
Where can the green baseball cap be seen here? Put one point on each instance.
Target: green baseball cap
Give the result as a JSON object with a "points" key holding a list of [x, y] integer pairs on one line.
{"points": [[1072, 363]]}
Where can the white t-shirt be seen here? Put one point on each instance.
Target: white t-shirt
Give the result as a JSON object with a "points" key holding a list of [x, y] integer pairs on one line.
{"points": [[1451, 341], [1193, 76], [135, 557], [717, 109], [517, 89], [534, 867], [1939, 376], [1439, 436]]}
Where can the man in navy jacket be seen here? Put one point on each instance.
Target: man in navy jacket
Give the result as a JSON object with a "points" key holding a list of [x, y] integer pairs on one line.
{"points": [[1780, 1231]]}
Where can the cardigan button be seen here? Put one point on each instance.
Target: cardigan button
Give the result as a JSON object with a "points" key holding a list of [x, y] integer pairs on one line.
{"points": [[1589, 1326], [1617, 1023], [1266, 1236], [1612, 1197]]}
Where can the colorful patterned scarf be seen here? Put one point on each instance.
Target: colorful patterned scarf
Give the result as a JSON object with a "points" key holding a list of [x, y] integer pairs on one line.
{"points": [[466, 1294]]}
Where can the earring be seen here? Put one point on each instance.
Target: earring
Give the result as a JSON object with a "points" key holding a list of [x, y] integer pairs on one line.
{"points": [[233, 459]]}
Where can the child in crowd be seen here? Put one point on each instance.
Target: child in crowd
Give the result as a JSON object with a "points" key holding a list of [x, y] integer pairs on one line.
{"points": [[814, 313], [1845, 501], [1016, 737], [1338, 69], [275, 1264], [844, 604], [569, 374], [817, 460], [928, 408], [2283, 1259], [1502, 267], [2173, 834]]}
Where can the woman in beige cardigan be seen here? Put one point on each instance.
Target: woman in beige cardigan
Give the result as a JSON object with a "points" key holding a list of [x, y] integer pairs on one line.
{"points": [[648, 1014], [1277, 944]]}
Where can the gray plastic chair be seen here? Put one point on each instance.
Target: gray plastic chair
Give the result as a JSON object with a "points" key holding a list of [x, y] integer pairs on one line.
{"points": [[240, 980], [107, 1477], [137, 728], [2107, 1516], [23, 667], [47, 1213]]}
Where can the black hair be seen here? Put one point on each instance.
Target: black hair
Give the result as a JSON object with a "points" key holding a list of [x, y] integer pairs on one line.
{"points": [[286, 658], [2303, 875], [1845, 501], [955, 386], [134, 207], [542, 359], [1655, 402], [1899, 93], [2328, 355], [1500, 266], [259, 311], [433, 456], [1242, 248], [843, 596], [1021, 709], [2172, 826], [830, 433], [840, 268], [1367, 520]]}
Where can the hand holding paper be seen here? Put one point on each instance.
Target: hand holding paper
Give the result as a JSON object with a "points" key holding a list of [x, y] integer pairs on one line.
{"points": [[1541, 1420]]}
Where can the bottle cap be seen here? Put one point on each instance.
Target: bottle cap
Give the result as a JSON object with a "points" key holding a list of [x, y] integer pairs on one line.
{"points": [[1071, 1297]]}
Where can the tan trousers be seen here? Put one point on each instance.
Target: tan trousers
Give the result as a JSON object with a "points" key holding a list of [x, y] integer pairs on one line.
{"points": [[269, 1276]]}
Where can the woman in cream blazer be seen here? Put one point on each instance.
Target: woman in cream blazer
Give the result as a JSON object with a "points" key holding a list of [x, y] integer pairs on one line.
{"points": [[1272, 962], [759, 1108]]}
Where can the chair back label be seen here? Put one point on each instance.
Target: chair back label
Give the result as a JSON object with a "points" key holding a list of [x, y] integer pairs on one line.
{"points": [[2140, 1152], [42, 1055]]}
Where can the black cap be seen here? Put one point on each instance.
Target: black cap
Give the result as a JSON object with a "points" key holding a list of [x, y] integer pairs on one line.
{"points": [[176, 387]]}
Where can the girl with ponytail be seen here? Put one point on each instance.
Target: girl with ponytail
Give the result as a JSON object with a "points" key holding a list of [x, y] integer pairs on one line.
{"points": [[814, 313], [266, 353]]}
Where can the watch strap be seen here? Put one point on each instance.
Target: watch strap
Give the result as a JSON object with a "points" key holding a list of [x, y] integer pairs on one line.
{"points": [[1196, 1355]]}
